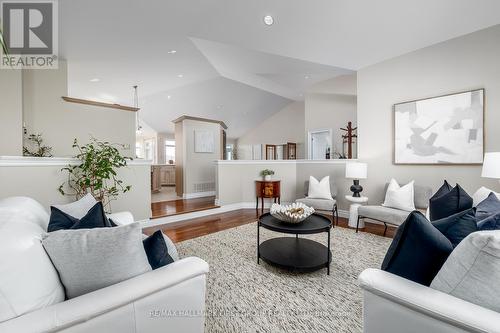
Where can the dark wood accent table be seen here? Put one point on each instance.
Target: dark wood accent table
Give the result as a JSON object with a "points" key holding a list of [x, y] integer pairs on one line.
{"points": [[294, 253], [267, 189]]}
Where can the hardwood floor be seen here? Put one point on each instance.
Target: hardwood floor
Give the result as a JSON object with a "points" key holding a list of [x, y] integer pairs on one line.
{"points": [[184, 230], [181, 206]]}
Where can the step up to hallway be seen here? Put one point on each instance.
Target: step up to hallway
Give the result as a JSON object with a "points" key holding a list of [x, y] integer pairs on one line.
{"points": [[181, 206]]}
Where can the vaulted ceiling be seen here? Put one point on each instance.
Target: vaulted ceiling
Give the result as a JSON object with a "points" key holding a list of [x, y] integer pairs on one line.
{"points": [[228, 64]]}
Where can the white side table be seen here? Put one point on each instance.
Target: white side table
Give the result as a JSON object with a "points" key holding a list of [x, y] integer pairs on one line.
{"points": [[353, 210]]}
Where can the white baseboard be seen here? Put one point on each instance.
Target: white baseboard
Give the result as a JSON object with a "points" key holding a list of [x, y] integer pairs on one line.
{"points": [[198, 195], [208, 212]]}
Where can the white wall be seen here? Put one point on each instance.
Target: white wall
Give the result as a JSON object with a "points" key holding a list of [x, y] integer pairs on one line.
{"points": [[34, 96], [286, 125], [40, 178], [330, 111], [61, 122], [334, 169], [460, 64], [236, 179], [340, 85], [199, 168], [11, 106]]}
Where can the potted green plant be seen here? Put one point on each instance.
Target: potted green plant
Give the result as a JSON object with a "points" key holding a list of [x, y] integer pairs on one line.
{"points": [[96, 173], [267, 174], [34, 147]]}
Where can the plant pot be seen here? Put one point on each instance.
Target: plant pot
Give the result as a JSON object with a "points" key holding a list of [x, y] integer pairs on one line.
{"points": [[267, 178]]}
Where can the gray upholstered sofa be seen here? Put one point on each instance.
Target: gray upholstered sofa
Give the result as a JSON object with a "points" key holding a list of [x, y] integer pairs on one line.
{"points": [[325, 205], [394, 216]]}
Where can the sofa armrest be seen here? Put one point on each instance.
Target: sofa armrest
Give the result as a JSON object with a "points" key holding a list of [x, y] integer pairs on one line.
{"points": [[121, 218], [428, 302], [89, 306]]}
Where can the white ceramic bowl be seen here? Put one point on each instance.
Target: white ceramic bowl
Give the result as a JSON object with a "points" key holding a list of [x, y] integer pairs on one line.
{"points": [[294, 213]]}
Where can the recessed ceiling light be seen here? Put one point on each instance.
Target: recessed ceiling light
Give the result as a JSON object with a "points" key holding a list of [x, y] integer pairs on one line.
{"points": [[180, 75], [95, 80], [307, 77], [268, 20], [169, 97], [172, 52]]}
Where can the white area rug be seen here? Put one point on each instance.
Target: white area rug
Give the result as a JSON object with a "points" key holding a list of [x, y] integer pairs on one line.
{"points": [[245, 297]]}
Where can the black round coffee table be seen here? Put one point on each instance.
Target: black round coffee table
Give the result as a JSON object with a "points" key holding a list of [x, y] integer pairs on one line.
{"points": [[294, 253]]}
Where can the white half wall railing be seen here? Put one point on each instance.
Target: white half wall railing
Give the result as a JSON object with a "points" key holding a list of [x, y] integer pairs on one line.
{"points": [[40, 177]]}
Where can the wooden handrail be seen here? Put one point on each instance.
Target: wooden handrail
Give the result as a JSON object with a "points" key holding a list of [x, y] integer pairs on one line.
{"points": [[100, 104]]}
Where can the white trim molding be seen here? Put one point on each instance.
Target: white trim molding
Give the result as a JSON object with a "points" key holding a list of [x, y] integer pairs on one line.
{"points": [[20, 161], [249, 162], [198, 195]]}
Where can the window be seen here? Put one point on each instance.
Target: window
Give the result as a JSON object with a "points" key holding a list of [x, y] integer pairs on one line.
{"points": [[170, 150], [149, 149], [138, 150], [229, 152]]}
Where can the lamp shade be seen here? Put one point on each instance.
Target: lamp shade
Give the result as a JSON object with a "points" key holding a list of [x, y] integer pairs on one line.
{"points": [[491, 165], [356, 170]]}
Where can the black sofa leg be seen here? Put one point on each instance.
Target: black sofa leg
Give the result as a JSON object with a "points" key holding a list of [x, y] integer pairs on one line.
{"points": [[385, 230], [357, 224]]}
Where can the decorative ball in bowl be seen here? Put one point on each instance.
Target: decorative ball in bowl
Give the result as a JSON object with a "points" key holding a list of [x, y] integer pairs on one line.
{"points": [[294, 213]]}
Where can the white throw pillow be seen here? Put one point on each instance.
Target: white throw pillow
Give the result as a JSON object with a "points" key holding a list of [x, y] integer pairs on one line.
{"points": [[400, 197], [472, 270], [319, 190], [80, 208], [28, 280], [482, 194]]}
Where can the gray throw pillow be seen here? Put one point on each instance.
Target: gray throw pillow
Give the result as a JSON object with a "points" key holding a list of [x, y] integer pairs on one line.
{"points": [[91, 259], [472, 271]]}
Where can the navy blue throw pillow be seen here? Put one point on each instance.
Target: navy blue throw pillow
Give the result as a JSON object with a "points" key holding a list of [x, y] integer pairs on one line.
{"points": [[487, 207], [95, 218], [444, 189], [418, 250], [490, 223], [446, 203], [458, 226], [157, 251], [112, 223]]}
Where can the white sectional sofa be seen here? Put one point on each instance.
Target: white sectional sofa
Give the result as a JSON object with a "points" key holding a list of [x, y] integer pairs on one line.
{"points": [[169, 299], [393, 304]]}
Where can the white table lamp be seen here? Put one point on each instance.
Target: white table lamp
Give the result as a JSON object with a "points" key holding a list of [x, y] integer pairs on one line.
{"points": [[491, 165], [356, 171]]}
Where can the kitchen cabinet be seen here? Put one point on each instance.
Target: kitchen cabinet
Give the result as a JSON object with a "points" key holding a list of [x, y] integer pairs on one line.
{"points": [[167, 174]]}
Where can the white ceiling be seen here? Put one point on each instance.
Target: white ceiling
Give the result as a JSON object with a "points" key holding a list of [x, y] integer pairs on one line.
{"points": [[228, 57], [240, 106]]}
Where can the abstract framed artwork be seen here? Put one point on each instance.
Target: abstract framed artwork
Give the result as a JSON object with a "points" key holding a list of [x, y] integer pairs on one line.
{"points": [[204, 141], [446, 129]]}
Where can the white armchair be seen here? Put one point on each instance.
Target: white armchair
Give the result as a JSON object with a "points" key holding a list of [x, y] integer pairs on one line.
{"points": [[169, 299], [325, 205], [392, 304]]}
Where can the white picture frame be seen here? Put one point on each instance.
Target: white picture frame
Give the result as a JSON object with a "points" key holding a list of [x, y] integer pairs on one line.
{"points": [[447, 130], [204, 141]]}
